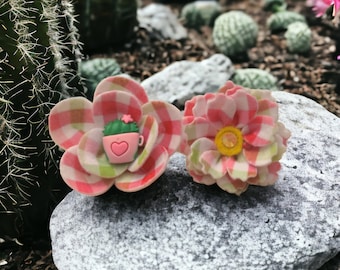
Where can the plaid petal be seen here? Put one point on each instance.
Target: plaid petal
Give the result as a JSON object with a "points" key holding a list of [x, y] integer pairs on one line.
{"points": [[113, 105], [196, 150], [147, 174], [149, 130], [231, 185], [169, 121], [261, 156], [92, 156], [259, 132], [269, 108], [121, 83], [213, 163], [78, 179], [202, 178], [221, 110], [240, 169], [266, 175], [69, 120], [198, 128], [229, 88]]}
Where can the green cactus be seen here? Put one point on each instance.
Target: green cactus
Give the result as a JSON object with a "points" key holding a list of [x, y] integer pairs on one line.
{"points": [[95, 70], [255, 79], [234, 33], [39, 52], [280, 20], [298, 36], [200, 13], [105, 23], [119, 127], [275, 5]]}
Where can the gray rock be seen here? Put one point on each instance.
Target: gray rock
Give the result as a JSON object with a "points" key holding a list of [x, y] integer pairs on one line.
{"points": [[178, 224], [160, 21], [182, 80]]}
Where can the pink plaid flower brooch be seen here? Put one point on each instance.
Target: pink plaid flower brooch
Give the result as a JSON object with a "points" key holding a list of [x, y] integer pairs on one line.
{"points": [[121, 138], [233, 138]]}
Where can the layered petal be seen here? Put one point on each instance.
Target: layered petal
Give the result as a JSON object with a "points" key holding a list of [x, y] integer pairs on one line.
{"points": [[198, 128], [231, 185], [202, 178], [213, 163], [246, 108], [69, 120], [266, 175], [239, 168], [261, 156], [259, 132]]}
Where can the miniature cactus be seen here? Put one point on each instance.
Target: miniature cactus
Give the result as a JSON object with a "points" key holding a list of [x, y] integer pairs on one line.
{"points": [[255, 79], [298, 37], [104, 23], [200, 13], [280, 20], [275, 5], [39, 51], [234, 33], [95, 70]]}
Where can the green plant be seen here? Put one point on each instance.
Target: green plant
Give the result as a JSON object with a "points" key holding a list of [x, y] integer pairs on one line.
{"points": [[234, 32], [119, 127], [200, 13], [298, 36], [255, 79], [280, 20], [39, 51], [95, 70], [275, 5], [105, 23]]}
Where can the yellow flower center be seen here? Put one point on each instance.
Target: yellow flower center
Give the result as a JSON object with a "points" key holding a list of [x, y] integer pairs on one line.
{"points": [[229, 141]]}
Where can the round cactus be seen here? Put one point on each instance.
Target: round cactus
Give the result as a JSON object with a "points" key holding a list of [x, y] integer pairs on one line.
{"points": [[200, 13], [234, 32], [275, 5], [298, 37], [280, 20], [95, 70], [255, 79]]}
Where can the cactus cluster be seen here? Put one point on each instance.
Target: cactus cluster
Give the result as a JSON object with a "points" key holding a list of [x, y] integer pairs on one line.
{"points": [[95, 70], [234, 33], [200, 13], [39, 52], [280, 20], [255, 79], [298, 36]]}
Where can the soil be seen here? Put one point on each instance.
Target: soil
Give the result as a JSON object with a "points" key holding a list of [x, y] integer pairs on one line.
{"points": [[315, 75]]}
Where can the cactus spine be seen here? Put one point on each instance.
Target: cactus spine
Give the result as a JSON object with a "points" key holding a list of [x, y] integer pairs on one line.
{"points": [[38, 67]]}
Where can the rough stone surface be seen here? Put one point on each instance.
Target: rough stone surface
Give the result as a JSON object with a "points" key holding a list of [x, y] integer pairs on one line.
{"points": [[183, 79], [178, 224], [159, 20]]}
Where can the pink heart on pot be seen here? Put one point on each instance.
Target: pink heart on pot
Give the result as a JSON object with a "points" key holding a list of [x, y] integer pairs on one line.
{"points": [[119, 148]]}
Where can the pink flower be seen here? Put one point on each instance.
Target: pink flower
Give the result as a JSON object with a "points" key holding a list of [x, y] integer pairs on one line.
{"points": [[119, 139], [321, 6], [233, 138]]}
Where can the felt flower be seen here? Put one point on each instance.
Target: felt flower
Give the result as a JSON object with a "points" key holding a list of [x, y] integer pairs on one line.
{"points": [[233, 138], [321, 6], [121, 138]]}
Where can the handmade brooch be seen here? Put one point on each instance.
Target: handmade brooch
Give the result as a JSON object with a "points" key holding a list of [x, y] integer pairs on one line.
{"points": [[233, 138], [121, 138]]}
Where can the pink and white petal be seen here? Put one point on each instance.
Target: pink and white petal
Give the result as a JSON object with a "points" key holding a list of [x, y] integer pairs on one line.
{"points": [[197, 106], [121, 83], [261, 94], [266, 175], [197, 149], [221, 110], [231, 185], [149, 130], [199, 128], [261, 156], [202, 178], [281, 148], [229, 88], [169, 120], [69, 120], [259, 132], [78, 179], [283, 132], [268, 108], [92, 156], [151, 170], [111, 106], [246, 108], [213, 163], [240, 169]]}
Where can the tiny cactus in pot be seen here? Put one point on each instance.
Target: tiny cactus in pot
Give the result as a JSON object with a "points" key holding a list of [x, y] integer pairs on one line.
{"points": [[298, 36]]}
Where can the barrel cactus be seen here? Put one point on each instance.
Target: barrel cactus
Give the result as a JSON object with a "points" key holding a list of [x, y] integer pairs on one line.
{"points": [[95, 70], [39, 52], [105, 23], [280, 20], [200, 13], [255, 79], [234, 33], [298, 36], [275, 5]]}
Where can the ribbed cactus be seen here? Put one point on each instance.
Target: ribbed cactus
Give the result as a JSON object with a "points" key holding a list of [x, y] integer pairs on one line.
{"points": [[298, 36], [234, 33], [255, 79], [95, 70], [280, 20], [200, 13], [38, 67], [104, 23], [275, 5]]}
